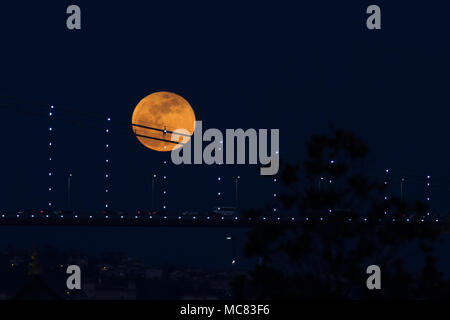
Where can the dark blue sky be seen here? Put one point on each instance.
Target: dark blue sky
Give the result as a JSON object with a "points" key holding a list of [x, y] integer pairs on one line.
{"points": [[297, 66]]}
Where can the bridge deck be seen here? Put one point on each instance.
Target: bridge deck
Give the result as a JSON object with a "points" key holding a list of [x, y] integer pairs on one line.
{"points": [[171, 221]]}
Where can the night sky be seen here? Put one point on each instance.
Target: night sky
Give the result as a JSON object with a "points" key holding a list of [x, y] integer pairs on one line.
{"points": [[298, 66]]}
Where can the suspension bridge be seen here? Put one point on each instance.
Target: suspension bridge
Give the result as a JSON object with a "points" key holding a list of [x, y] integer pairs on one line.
{"points": [[97, 120]]}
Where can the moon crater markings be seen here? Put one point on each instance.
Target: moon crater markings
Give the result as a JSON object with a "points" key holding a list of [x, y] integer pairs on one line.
{"points": [[158, 115]]}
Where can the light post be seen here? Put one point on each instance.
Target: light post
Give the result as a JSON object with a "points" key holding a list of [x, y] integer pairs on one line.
{"points": [[401, 188], [320, 182], [68, 191], [236, 191]]}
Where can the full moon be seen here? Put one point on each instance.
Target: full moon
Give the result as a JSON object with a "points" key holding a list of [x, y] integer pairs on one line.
{"points": [[161, 115]]}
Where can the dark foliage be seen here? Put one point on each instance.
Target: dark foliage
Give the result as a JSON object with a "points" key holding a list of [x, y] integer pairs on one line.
{"points": [[350, 225]]}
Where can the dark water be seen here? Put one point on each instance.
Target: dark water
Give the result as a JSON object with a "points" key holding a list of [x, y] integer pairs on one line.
{"points": [[195, 247], [206, 248]]}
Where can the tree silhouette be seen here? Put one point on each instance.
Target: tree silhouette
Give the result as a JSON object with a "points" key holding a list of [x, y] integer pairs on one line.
{"points": [[347, 224]]}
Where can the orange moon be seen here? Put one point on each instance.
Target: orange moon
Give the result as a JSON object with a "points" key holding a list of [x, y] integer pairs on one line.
{"points": [[161, 115]]}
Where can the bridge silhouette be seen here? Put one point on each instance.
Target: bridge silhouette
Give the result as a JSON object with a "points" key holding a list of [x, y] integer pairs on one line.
{"points": [[152, 221], [200, 221], [102, 121]]}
